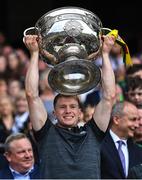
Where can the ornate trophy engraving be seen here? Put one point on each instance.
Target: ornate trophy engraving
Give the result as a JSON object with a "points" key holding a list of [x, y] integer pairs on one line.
{"points": [[69, 41]]}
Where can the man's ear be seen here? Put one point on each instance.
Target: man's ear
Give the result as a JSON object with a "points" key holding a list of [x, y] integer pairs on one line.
{"points": [[7, 156], [54, 113], [80, 112], [116, 120]]}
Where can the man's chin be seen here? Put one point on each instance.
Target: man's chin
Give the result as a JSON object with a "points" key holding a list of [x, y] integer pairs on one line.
{"points": [[28, 164], [131, 135], [69, 125]]}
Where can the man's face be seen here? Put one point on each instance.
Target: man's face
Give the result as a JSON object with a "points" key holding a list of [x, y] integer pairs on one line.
{"points": [[67, 111], [138, 131], [135, 96], [128, 122], [20, 156]]}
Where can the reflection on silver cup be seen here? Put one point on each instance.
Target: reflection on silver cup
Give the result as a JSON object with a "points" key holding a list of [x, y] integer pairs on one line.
{"points": [[69, 41]]}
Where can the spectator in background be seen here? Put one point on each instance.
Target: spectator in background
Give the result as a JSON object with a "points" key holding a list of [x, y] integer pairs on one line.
{"points": [[47, 94], [134, 90], [14, 88], [14, 66], [21, 112], [20, 157], [136, 171], [3, 87], [6, 117], [124, 121], [7, 49], [24, 60], [136, 60], [3, 67], [135, 70]]}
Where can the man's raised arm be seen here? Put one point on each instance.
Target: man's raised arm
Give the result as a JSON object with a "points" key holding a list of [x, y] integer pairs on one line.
{"points": [[103, 109], [37, 111]]}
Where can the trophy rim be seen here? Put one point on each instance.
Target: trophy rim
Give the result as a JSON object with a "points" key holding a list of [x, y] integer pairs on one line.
{"points": [[51, 13]]}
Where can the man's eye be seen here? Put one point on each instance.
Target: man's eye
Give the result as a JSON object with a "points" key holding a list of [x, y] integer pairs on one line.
{"points": [[62, 107], [133, 119], [75, 106]]}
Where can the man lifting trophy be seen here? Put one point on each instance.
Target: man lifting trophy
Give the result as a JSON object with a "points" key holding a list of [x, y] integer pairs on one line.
{"points": [[69, 39]]}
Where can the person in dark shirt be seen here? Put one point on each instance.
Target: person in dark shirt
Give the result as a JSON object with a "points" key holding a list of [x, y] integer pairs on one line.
{"points": [[67, 152]]}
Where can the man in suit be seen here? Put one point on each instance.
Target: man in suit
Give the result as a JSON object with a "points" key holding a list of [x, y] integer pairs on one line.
{"points": [[124, 121], [19, 154]]}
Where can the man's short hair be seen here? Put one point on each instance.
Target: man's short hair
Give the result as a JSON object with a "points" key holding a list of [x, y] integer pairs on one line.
{"points": [[13, 137], [58, 96], [118, 109]]}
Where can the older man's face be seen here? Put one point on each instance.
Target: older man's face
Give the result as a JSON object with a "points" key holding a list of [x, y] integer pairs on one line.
{"points": [[20, 156]]}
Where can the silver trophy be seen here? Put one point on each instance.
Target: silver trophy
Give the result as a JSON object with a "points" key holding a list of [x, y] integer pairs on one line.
{"points": [[69, 42]]}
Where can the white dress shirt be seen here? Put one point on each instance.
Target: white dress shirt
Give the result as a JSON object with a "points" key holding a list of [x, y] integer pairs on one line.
{"points": [[18, 175], [124, 148]]}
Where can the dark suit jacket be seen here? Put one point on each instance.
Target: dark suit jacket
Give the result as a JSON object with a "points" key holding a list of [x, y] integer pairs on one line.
{"points": [[5, 173], [135, 172], [111, 167]]}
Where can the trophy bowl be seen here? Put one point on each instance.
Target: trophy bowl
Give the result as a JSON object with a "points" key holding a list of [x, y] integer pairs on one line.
{"points": [[69, 42]]}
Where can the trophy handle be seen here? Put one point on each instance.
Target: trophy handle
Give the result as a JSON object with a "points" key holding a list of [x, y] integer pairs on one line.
{"points": [[126, 54], [105, 31], [31, 31]]}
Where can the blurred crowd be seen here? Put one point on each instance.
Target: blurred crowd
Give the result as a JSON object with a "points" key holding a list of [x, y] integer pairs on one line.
{"points": [[14, 115]]}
